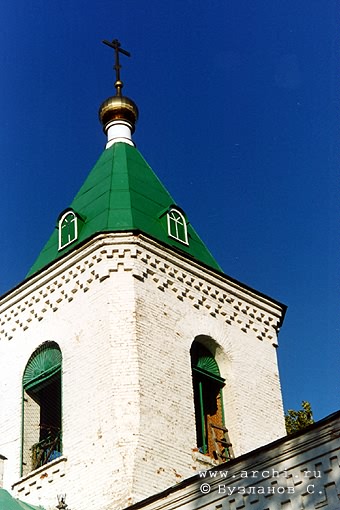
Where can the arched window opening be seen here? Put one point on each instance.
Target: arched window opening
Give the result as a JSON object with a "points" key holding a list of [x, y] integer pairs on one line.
{"points": [[42, 408], [212, 436], [177, 226], [68, 229]]}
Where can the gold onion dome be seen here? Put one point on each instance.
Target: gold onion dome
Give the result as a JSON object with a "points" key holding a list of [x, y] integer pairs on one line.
{"points": [[118, 108]]}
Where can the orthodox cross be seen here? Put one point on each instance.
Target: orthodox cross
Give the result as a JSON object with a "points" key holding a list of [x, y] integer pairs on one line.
{"points": [[115, 44]]}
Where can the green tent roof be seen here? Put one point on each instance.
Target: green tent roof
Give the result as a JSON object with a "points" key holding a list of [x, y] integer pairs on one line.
{"points": [[122, 193], [7, 502]]}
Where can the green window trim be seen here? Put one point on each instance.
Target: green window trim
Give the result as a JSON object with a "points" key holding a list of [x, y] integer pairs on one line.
{"points": [[205, 371], [211, 376], [42, 408], [46, 377], [44, 363], [203, 431], [207, 362]]}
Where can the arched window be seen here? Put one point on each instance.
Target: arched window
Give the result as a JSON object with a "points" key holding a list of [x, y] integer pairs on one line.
{"points": [[212, 436], [68, 229], [177, 226], [42, 407]]}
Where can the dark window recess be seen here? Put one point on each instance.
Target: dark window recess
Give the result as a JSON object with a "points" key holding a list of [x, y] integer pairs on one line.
{"points": [[42, 408], [212, 435], [48, 447]]}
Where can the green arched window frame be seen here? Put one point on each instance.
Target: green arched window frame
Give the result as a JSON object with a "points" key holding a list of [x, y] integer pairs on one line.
{"points": [[206, 376], [42, 426], [44, 363]]}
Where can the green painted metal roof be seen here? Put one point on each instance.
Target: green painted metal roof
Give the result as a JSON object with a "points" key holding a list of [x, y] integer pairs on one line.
{"points": [[122, 193], [7, 502]]}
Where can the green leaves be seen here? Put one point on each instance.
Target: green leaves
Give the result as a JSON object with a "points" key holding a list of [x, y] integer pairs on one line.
{"points": [[299, 420]]}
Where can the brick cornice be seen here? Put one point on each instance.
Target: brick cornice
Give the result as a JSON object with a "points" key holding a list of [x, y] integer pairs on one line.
{"points": [[145, 259]]}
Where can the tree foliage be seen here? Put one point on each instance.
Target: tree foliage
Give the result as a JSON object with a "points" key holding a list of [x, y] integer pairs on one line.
{"points": [[299, 420]]}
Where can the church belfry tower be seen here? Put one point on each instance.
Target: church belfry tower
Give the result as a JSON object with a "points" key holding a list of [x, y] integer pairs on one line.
{"points": [[129, 360]]}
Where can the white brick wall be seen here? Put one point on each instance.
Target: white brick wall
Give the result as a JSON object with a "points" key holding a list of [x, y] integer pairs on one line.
{"points": [[125, 312], [296, 472]]}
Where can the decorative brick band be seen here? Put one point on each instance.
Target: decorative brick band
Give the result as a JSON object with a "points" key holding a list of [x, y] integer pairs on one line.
{"points": [[169, 272]]}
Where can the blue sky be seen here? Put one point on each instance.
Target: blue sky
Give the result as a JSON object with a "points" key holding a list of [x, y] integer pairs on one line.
{"points": [[238, 118]]}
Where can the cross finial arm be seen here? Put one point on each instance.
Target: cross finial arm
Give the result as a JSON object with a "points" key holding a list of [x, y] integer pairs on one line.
{"points": [[115, 44]]}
